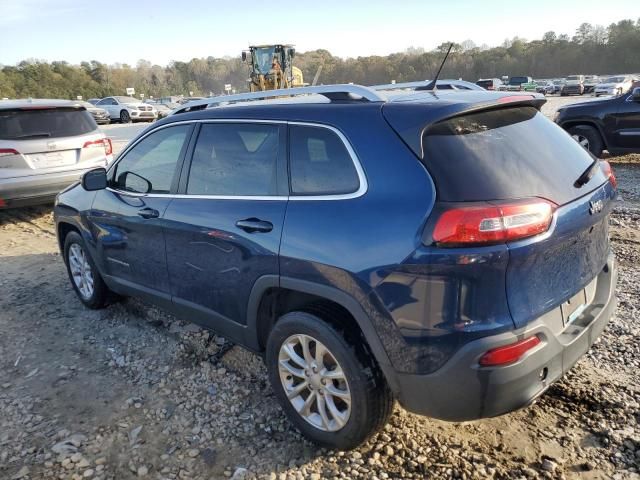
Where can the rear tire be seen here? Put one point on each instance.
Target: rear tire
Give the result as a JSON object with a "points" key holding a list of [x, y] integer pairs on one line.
{"points": [[83, 273], [350, 372], [588, 137], [125, 117]]}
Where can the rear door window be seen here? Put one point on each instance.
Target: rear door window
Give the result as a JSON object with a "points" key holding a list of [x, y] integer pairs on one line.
{"points": [[45, 123], [151, 165], [235, 159], [320, 163], [507, 153]]}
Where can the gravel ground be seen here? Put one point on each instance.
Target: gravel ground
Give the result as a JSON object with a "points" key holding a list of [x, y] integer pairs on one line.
{"points": [[131, 392]]}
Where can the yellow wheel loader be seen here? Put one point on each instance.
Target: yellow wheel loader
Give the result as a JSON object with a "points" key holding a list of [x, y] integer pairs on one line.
{"points": [[271, 67]]}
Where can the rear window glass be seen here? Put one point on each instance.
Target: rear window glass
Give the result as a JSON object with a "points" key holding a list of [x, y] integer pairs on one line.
{"points": [[49, 123], [508, 153], [485, 83], [518, 80]]}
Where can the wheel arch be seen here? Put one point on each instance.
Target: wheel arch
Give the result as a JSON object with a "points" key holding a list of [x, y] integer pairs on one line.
{"points": [[588, 123], [259, 325]]}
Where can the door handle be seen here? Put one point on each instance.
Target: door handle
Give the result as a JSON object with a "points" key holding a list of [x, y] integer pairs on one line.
{"points": [[252, 225], [148, 213]]}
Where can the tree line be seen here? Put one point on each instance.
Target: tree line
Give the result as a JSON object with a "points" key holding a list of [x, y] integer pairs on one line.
{"points": [[593, 49]]}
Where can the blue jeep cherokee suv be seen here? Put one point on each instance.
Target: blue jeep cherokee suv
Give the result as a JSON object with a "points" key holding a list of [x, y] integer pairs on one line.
{"points": [[449, 250]]}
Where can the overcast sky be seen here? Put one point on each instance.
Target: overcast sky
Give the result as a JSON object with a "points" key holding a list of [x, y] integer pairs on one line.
{"points": [[163, 30]]}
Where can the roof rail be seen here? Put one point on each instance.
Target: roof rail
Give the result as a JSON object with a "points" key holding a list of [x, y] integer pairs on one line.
{"points": [[332, 92]]}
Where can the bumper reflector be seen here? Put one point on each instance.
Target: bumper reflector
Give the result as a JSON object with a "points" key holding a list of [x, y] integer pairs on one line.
{"points": [[509, 353]]}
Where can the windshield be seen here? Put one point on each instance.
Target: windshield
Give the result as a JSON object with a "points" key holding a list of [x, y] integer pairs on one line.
{"points": [[262, 58], [573, 77], [614, 80], [518, 80], [127, 100]]}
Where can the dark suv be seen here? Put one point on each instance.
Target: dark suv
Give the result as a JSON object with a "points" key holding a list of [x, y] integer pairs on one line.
{"points": [[449, 249], [611, 123]]}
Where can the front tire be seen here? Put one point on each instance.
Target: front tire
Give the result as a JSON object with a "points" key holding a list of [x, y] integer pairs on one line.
{"points": [[588, 137], [125, 117], [83, 273], [330, 388]]}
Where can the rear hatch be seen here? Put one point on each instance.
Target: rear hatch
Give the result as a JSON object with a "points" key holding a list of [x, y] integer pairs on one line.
{"points": [[511, 156], [42, 139]]}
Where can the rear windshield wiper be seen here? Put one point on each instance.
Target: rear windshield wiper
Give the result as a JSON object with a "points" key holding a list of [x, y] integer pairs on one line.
{"points": [[30, 135], [584, 178]]}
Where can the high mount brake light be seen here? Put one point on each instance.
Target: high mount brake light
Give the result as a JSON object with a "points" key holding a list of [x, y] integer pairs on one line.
{"points": [[608, 171], [509, 353], [490, 223], [514, 98], [103, 142], [5, 152]]}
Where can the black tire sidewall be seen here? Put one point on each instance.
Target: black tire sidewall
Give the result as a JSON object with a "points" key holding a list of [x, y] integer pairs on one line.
{"points": [[355, 430], [97, 299], [125, 117], [591, 134]]}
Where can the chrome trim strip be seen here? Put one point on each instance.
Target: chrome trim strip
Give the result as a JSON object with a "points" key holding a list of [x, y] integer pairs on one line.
{"points": [[362, 179], [628, 133]]}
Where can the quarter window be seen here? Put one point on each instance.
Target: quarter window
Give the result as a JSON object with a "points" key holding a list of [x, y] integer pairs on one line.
{"points": [[150, 166], [320, 163], [235, 159]]}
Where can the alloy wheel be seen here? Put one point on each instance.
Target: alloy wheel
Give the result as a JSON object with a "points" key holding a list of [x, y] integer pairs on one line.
{"points": [[81, 271], [582, 140], [314, 382]]}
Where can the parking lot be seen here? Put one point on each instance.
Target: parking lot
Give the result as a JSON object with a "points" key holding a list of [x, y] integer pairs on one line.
{"points": [[131, 392]]}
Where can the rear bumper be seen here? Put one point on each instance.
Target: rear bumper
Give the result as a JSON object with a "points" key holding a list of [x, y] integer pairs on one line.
{"points": [[462, 390], [36, 189]]}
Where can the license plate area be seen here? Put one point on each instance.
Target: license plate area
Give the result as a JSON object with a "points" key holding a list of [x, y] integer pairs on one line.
{"points": [[53, 159], [572, 308]]}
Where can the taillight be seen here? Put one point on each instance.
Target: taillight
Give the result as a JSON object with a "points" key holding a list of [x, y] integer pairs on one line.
{"points": [[103, 142], [509, 353], [608, 172], [493, 222], [5, 152]]}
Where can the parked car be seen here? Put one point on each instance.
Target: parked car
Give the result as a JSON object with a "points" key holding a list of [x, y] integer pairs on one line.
{"points": [[162, 109], [518, 83], [615, 85], [490, 83], [544, 87], [448, 250], [184, 100], [46, 145], [443, 84], [573, 86], [558, 84], [590, 82], [100, 115], [611, 124], [172, 102], [127, 109]]}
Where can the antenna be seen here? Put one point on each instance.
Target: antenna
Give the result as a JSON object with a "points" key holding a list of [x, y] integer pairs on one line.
{"points": [[432, 83]]}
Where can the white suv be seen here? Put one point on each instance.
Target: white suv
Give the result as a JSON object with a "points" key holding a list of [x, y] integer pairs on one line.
{"points": [[46, 145]]}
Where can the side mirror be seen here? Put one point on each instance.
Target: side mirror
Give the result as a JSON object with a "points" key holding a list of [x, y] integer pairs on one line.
{"points": [[132, 182], [244, 56], [95, 179], [292, 51], [635, 96]]}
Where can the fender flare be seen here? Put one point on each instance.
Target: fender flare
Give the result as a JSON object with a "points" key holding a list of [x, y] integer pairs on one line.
{"points": [[330, 293]]}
